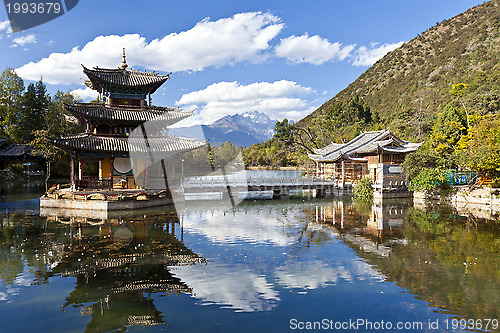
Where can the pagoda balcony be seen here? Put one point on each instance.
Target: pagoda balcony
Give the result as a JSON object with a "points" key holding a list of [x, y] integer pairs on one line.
{"points": [[94, 183], [127, 106]]}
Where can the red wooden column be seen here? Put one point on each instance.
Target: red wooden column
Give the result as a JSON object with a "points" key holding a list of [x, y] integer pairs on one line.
{"points": [[343, 173], [111, 170], [72, 171]]}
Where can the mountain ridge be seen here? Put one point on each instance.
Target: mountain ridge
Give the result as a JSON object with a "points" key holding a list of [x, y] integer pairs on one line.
{"points": [[449, 52], [405, 91], [240, 129]]}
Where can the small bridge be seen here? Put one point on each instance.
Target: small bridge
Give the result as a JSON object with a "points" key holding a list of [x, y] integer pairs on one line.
{"points": [[275, 187]]}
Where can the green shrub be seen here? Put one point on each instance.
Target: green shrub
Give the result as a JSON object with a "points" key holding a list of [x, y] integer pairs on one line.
{"points": [[363, 188], [16, 169], [417, 161], [428, 179]]}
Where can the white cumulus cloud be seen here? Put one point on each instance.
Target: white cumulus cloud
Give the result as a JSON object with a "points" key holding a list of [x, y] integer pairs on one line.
{"points": [[311, 49], [277, 99], [237, 288], [85, 93], [23, 40], [242, 37], [5, 29], [368, 56], [4, 26]]}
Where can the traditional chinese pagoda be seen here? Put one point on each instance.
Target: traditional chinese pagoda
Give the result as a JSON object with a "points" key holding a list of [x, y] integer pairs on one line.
{"points": [[376, 154], [124, 105]]}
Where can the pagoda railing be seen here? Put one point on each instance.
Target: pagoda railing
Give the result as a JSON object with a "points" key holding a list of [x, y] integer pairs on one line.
{"points": [[94, 183]]}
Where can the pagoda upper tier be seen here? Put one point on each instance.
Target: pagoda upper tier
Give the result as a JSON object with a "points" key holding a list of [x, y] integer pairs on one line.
{"points": [[105, 146], [123, 86], [99, 113], [123, 79], [121, 108]]}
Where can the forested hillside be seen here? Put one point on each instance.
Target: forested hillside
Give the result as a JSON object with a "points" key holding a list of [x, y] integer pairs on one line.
{"points": [[442, 87]]}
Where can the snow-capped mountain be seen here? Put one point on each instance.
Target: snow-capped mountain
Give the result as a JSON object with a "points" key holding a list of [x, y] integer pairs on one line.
{"points": [[241, 129]]}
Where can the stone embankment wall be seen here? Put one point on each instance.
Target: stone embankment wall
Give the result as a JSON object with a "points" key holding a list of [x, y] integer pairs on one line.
{"points": [[482, 202]]}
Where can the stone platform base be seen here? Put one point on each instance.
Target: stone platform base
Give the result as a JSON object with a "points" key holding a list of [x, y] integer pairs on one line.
{"points": [[97, 209], [102, 205]]}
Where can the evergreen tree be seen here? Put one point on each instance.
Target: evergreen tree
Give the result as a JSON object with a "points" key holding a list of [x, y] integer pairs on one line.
{"points": [[23, 121], [11, 92]]}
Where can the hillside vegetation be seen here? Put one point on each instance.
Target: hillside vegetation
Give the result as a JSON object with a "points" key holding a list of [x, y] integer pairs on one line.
{"points": [[442, 87]]}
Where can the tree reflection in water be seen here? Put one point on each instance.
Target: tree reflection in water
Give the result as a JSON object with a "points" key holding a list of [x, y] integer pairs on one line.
{"points": [[117, 263], [450, 260], [254, 253]]}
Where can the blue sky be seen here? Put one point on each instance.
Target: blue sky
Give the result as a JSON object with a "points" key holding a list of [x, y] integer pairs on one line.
{"points": [[283, 58]]}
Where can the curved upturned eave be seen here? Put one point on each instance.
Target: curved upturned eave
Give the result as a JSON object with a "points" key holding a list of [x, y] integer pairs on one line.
{"points": [[112, 144], [135, 79], [98, 112]]}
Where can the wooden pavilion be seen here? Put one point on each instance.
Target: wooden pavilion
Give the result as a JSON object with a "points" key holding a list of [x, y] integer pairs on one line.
{"points": [[124, 105], [377, 154]]}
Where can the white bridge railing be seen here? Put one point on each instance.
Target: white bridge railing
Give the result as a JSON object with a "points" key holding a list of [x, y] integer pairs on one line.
{"points": [[220, 181]]}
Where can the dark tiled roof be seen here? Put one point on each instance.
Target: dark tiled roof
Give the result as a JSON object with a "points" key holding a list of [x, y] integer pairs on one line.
{"points": [[364, 143], [374, 145], [98, 111], [124, 77], [88, 142], [3, 142], [16, 151]]}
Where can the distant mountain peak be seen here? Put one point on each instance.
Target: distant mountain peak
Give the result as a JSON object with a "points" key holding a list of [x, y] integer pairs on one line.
{"points": [[240, 129]]}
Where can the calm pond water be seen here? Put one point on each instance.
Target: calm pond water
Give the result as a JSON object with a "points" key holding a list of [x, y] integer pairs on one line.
{"points": [[268, 266]]}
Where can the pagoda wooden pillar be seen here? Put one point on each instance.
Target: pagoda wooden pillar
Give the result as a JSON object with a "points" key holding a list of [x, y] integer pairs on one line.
{"points": [[165, 177], [145, 174], [72, 171], [173, 169], [80, 169], [343, 173], [111, 171]]}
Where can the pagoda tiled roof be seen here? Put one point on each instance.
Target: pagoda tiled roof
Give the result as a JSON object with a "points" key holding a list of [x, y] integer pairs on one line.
{"points": [[365, 143], [124, 77], [18, 150], [116, 144], [101, 112]]}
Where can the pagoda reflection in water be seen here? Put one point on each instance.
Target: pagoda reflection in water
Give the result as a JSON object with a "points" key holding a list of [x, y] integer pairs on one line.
{"points": [[260, 257], [378, 218], [119, 263], [372, 227]]}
